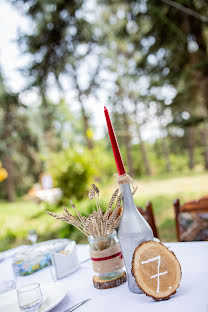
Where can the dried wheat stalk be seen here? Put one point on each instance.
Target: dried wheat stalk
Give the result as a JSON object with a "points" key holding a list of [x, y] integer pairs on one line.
{"points": [[98, 224]]}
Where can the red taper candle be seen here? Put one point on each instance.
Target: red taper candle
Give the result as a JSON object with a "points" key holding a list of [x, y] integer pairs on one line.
{"points": [[114, 143]]}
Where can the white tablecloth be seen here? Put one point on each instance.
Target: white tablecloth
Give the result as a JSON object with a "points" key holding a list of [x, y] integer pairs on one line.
{"points": [[192, 296]]}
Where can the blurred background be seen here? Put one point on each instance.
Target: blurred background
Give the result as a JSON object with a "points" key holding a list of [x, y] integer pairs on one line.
{"points": [[60, 63]]}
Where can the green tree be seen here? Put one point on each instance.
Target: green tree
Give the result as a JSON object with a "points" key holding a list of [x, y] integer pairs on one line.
{"points": [[171, 49], [61, 44], [19, 144]]}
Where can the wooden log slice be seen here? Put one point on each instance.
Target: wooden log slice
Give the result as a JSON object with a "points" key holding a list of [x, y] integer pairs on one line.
{"points": [[156, 269], [105, 284]]}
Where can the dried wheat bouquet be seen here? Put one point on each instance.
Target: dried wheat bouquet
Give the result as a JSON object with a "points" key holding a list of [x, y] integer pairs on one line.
{"points": [[99, 223]]}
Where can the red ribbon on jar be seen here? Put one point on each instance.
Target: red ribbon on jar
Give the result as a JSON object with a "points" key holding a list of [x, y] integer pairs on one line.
{"points": [[108, 258]]}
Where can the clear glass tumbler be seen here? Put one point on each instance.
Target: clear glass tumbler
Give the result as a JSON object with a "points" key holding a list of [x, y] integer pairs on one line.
{"points": [[29, 297]]}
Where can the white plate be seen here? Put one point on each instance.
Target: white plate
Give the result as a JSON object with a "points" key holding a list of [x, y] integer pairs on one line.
{"points": [[53, 294]]}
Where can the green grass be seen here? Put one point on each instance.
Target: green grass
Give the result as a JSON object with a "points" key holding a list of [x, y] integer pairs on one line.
{"points": [[18, 218]]}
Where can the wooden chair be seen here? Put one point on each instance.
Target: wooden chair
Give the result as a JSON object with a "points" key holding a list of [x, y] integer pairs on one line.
{"points": [[149, 217], [192, 220]]}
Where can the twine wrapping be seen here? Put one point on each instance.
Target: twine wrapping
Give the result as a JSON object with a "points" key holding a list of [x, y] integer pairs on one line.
{"points": [[107, 260], [125, 178]]}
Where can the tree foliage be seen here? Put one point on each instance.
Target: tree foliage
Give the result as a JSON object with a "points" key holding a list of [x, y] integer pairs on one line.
{"points": [[147, 57]]}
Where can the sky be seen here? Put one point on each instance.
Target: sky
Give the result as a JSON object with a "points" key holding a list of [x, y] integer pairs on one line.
{"points": [[11, 59]]}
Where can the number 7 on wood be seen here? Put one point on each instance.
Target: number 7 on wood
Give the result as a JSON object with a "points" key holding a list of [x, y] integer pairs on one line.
{"points": [[158, 270]]}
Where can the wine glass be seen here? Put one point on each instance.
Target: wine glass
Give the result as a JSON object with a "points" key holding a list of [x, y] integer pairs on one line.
{"points": [[32, 236], [29, 297]]}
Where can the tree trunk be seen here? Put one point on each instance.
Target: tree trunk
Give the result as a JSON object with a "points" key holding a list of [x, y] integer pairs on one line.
{"points": [[190, 133], [205, 145], [166, 154], [86, 125], [10, 183], [203, 84], [7, 161], [199, 57], [88, 140], [163, 136], [143, 152], [127, 142]]}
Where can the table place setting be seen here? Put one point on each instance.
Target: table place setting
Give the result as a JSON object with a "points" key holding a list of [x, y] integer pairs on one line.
{"points": [[62, 260], [36, 297], [33, 297]]}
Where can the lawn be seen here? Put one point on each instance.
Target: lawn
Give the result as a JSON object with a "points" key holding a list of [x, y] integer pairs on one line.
{"points": [[19, 217]]}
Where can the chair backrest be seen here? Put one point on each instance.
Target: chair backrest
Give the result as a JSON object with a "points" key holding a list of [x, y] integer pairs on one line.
{"points": [[192, 219], [149, 217]]}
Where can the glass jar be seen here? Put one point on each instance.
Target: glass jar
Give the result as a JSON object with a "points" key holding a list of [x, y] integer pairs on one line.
{"points": [[107, 260]]}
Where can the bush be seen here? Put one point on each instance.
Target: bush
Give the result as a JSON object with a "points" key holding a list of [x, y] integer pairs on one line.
{"points": [[72, 171], [7, 240]]}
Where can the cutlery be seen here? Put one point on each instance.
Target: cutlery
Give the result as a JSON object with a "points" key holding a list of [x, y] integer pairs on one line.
{"points": [[74, 307], [86, 260]]}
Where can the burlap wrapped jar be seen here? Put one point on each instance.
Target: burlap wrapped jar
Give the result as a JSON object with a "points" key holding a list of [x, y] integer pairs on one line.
{"points": [[106, 256]]}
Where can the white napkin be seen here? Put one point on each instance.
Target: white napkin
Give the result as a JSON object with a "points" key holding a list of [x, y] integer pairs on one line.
{"points": [[65, 264]]}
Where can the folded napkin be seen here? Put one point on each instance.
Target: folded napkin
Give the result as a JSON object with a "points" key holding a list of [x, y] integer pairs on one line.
{"points": [[65, 262]]}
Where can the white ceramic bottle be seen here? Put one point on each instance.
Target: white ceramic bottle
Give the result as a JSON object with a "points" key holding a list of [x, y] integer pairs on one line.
{"points": [[133, 231]]}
